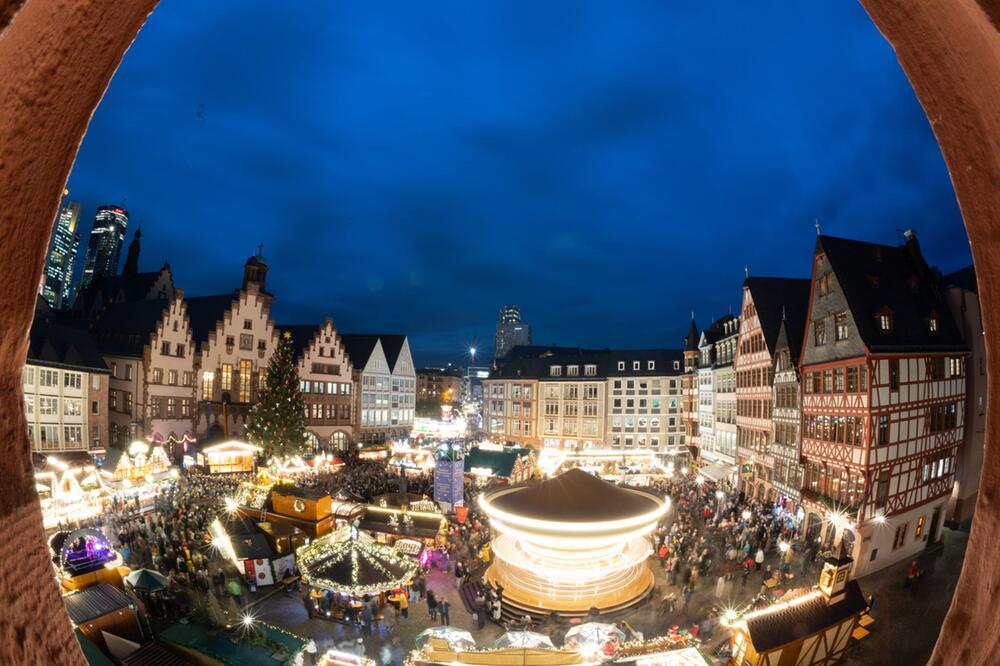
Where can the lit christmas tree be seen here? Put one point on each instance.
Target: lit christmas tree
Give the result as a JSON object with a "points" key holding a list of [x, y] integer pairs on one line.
{"points": [[277, 421]]}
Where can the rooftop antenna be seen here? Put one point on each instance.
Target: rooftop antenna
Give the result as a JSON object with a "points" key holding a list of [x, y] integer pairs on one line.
{"points": [[817, 226], [746, 270]]}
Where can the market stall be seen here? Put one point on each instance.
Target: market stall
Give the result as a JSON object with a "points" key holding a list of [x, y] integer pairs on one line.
{"points": [[141, 463], [229, 457]]}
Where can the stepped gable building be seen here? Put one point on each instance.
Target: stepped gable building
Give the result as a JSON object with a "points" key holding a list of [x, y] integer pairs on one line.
{"points": [[326, 378], [106, 290], [786, 435], [65, 384], [234, 338], [149, 349], [962, 294], [690, 389], [884, 379], [765, 299]]}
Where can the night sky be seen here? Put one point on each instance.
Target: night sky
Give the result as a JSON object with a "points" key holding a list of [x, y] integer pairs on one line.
{"points": [[411, 167]]}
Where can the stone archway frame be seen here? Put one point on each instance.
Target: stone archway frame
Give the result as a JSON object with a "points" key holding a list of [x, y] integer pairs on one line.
{"points": [[56, 59]]}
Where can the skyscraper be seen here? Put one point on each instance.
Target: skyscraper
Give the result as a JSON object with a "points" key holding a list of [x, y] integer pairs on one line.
{"points": [[61, 258], [105, 243], [510, 332]]}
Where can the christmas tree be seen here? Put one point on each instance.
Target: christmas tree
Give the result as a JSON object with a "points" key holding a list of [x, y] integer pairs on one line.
{"points": [[277, 421]]}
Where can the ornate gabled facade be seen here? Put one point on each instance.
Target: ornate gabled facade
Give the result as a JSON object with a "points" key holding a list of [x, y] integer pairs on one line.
{"points": [[235, 338], [148, 346], [786, 434], [326, 378], [884, 381], [372, 388], [764, 301]]}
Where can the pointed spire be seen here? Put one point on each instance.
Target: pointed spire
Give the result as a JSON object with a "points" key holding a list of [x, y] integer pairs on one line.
{"points": [[691, 340], [817, 226], [132, 261], [746, 270]]}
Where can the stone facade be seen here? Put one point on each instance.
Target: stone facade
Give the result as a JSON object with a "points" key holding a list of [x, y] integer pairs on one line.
{"points": [[327, 382]]}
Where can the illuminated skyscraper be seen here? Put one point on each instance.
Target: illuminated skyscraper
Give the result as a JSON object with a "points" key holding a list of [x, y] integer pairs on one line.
{"points": [[510, 332], [61, 258], [105, 243]]}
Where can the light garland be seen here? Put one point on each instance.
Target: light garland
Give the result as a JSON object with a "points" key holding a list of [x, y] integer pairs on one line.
{"points": [[314, 558]]}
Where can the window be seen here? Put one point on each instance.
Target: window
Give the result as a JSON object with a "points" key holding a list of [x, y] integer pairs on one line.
{"points": [[185, 407], [48, 406], [230, 341], [246, 341], [128, 402], [894, 374], [29, 376], [113, 400], [165, 349], [247, 325], [677, 365], [95, 407], [555, 371], [651, 365], [900, 537], [227, 377], [883, 431], [179, 350], [840, 326], [171, 407], [246, 375], [932, 326], [128, 371], [48, 378], [207, 385], [114, 369], [819, 333], [157, 376], [172, 377], [884, 320], [261, 346], [572, 371], [882, 491], [72, 407], [72, 380], [590, 370], [919, 531]]}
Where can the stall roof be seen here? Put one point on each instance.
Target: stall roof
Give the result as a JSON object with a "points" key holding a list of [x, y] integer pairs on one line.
{"points": [[772, 630], [251, 546], [574, 496], [501, 462], [153, 654], [220, 646], [90, 651], [304, 493], [279, 529], [94, 602], [422, 526]]}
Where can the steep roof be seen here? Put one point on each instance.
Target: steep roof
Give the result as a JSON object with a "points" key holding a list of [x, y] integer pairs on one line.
{"points": [[792, 329], [717, 329], [537, 366], [964, 278], [120, 287], [774, 296], [691, 339], [874, 276], [772, 630], [204, 312], [125, 328], [359, 348], [665, 362], [61, 346], [392, 346], [302, 336], [94, 602], [574, 496]]}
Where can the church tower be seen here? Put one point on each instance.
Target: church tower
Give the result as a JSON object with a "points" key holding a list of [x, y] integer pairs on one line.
{"points": [[255, 269], [132, 260]]}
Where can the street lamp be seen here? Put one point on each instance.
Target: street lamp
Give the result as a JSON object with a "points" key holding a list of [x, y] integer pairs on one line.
{"points": [[472, 354]]}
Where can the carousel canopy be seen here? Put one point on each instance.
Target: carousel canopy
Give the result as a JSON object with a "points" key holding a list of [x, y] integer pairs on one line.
{"points": [[574, 496], [354, 565], [82, 551]]}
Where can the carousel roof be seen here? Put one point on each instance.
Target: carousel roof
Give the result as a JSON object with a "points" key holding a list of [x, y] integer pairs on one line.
{"points": [[355, 565], [574, 496]]}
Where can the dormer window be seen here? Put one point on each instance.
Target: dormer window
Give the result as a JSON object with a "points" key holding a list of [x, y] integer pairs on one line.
{"points": [[555, 371], [572, 370], [884, 320], [635, 365], [590, 370], [651, 365], [932, 322], [621, 365]]}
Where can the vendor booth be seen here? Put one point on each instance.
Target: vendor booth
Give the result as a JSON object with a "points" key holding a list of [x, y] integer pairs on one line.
{"points": [[84, 558], [229, 457], [514, 465], [141, 463]]}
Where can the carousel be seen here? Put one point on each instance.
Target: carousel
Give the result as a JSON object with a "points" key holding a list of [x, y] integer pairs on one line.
{"points": [[572, 543], [84, 558], [345, 568]]}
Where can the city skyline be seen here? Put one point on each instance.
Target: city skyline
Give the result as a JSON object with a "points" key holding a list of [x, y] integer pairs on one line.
{"points": [[581, 158]]}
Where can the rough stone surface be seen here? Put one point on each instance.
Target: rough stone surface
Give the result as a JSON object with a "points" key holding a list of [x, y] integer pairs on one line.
{"points": [[56, 59]]}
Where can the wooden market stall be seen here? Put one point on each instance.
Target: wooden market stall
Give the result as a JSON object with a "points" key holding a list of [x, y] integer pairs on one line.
{"points": [[807, 627], [229, 457]]}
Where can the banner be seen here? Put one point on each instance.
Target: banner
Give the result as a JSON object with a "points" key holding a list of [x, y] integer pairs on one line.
{"points": [[449, 481]]}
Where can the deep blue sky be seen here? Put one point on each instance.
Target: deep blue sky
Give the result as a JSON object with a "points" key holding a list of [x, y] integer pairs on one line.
{"points": [[608, 166]]}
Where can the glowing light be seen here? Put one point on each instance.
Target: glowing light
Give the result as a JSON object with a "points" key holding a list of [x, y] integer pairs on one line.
{"points": [[745, 515], [719, 494], [684, 470], [783, 547], [247, 620], [700, 480], [231, 506], [880, 519], [729, 616], [783, 605]]}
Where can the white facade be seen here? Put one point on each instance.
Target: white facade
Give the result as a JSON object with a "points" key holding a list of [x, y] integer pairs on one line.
{"points": [[64, 409]]}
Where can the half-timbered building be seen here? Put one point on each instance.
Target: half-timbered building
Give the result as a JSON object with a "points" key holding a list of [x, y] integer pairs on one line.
{"points": [[883, 367], [764, 301], [689, 389]]}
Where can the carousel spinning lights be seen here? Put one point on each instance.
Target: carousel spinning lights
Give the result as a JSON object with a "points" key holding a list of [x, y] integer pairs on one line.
{"points": [[566, 563]]}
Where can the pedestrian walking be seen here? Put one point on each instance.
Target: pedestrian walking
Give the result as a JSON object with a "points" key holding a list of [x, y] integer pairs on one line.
{"points": [[759, 558], [444, 607], [912, 572], [688, 593], [432, 605]]}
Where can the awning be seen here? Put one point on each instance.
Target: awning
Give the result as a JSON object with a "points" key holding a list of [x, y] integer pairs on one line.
{"points": [[718, 471]]}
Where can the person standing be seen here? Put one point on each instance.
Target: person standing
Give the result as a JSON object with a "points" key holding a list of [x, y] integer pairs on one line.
{"points": [[759, 558], [432, 605], [444, 607], [912, 572]]}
